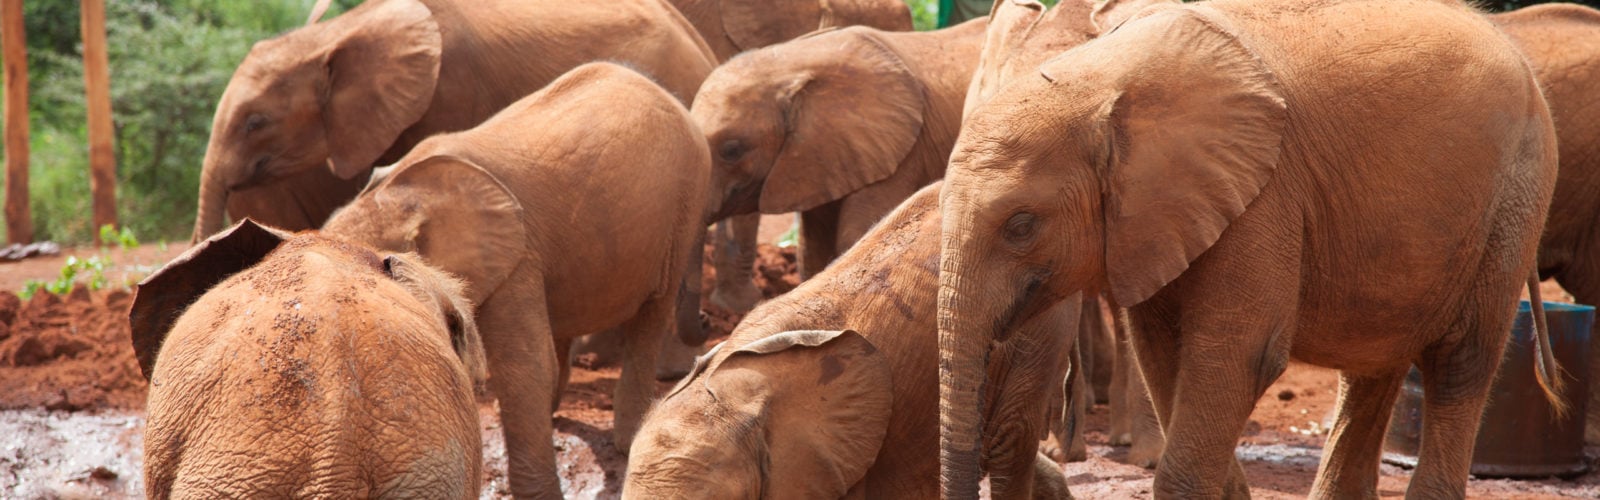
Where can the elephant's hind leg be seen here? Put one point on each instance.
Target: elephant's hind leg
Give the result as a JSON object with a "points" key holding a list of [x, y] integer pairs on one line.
{"points": [[641, 345], [1455, 387], [1350, 464]]}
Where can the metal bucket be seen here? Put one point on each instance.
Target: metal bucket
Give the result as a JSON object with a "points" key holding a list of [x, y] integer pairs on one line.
{"points": [[1519, 435]]}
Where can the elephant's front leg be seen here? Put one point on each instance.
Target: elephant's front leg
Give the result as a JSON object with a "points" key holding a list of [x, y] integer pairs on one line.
{"points": [[640, 346], [523, 370], [1133, 417], [735, 257], [819, 235], [1349, 464], [1069, 413], [1209, 347], [563, 350]]}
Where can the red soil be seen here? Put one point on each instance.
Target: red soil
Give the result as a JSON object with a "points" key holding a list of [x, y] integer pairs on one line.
{"points": [[68, 353]]}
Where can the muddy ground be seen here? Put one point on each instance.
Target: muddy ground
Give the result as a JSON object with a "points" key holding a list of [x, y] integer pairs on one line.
{"points": [[72, 399]]}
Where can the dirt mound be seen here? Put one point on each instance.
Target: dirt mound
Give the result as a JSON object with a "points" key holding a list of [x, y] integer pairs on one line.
{"points": [[68, 353]]}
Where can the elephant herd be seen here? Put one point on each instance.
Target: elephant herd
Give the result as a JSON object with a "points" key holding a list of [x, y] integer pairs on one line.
{"points": [[433, 197]]}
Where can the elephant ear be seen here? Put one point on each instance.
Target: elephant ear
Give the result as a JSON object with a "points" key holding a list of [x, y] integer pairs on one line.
{"points": [[1021, 35], [1010, 22], [850, 120], [752, 24], [382, 70], [463, 220], [830, 393], [162, 297], [1109, 14], [1184, 162]]}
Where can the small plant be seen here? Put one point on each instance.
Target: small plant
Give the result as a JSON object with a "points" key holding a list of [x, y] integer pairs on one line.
{"points": [[791, 237], [91, 271], [123, 239]]}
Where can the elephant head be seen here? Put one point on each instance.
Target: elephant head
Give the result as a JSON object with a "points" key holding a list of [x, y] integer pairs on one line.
{"points": [[335, 94], [800, 414], [1111, 169], [800, 124], [163, 296], [447, 209]]}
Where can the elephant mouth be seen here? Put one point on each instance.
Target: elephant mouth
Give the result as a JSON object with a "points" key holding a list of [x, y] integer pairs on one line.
{"points": [[742, 199], [1026, 304]]}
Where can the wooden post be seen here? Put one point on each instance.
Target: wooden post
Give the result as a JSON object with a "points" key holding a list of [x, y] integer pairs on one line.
{"points": [[97, 84], [19, 218]]}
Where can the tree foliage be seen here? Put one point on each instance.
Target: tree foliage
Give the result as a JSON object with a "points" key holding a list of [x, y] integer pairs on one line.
{"points": [[170, 61]]}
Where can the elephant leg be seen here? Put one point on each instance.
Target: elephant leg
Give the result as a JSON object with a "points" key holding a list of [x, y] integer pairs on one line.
{"points": [[523, 370], [675, 358], [819, 235], [1076, 413], [1205, 385], [1350, 463], [1049, 482], [563, 350], [1133, 416], [1145, 436], [735, 257], [1068, 413], [1455, 387], [1098, 350], [1123, 368], [640, 347], [1581, 278]]}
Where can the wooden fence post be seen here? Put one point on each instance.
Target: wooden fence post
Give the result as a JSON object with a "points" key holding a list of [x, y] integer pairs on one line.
{"points": [[97, 85], [19, 218]]}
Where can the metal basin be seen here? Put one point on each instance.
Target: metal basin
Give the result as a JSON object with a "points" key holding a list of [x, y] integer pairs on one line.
{"points": [[1520, 435]]}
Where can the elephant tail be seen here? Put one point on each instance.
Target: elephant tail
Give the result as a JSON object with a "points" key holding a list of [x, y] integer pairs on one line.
{"points": [[1546, 371]]}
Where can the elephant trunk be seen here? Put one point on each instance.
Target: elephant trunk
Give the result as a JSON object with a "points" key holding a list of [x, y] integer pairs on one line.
{"points": [[963, 360], [213, 202], [691, 330]]}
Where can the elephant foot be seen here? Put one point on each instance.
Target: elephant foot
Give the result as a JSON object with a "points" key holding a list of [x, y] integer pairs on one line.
{"points": [[1121, 438], [1144, 453], [675, 359], [737, 298], [1051, 447]]}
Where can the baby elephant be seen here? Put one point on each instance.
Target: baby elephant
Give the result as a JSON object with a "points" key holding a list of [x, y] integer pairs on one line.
{"points": [[313, 368], [576, 210], [795, 405]]}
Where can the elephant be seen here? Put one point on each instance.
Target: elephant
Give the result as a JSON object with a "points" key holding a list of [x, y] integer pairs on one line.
{"points": [[1562, 42], [792, 127], [307, 114], [830, 390], [1250, 192], [733, 26], [561, 228], [303, 365], [1023, 34]]}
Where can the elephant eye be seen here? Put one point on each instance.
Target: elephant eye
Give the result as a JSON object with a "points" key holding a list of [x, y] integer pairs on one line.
{"points": [[254, 122], [1020, 228], [731, 150]]}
